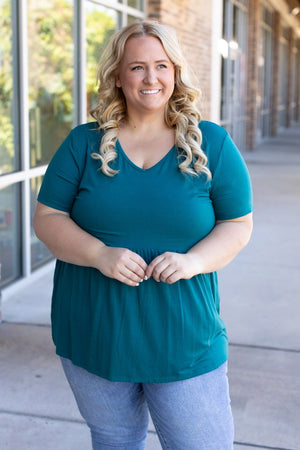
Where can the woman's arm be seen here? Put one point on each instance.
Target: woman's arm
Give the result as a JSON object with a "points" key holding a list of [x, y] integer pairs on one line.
{"points": [[70, 243], [212, 253]]}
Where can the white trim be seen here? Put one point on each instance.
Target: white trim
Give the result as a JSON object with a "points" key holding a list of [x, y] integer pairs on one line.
{"points": [[79, 37], [26, 229], [215, 83], [37, 171], [24, 139], [120, 7], [17, 177], [24, 81], [6, 180]]}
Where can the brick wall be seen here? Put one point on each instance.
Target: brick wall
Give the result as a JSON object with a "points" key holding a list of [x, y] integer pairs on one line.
{"points": [[192, 21]]}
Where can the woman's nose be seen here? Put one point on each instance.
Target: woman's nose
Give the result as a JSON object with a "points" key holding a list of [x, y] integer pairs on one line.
{"points": [[150, 76]]}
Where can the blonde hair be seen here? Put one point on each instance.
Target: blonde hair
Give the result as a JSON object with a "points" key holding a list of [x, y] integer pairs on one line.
{"points": [[181, 112]]}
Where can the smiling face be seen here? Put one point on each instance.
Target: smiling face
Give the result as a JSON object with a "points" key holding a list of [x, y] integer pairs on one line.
{"points": [[146, 75]]}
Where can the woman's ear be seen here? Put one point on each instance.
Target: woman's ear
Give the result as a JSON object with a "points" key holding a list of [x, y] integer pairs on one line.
{"points": [[118, 82]]}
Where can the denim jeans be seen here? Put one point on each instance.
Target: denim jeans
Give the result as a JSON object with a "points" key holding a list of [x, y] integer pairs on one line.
{"points": [[192, 414]]}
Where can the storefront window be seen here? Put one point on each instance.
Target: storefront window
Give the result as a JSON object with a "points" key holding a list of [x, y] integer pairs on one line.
{"points": [[8, 158], [51, 74], [265, 73], [233, 49], [10, 233], [283, 58], [295, 85], [101, 23]]}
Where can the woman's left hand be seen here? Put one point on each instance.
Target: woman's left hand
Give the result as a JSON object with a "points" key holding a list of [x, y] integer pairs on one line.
{"points": [[171, 267]]}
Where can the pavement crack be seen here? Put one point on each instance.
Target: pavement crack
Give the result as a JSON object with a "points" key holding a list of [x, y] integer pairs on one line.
{"points": [[265, 347], [41, 416], [266, 447], [26, 324]]}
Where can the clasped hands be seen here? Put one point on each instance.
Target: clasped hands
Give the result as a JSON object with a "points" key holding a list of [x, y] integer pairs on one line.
{"points": [[130, 268]]}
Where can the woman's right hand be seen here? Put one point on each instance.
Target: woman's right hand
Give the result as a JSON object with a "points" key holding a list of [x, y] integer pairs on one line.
{"points": [[70, 243], [121, 264]]}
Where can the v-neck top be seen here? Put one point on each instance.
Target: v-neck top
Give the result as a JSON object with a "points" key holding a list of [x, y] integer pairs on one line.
{"points": [[155, 332], [122, 151]]}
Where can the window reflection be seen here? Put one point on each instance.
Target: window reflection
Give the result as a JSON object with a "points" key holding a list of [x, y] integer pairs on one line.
{"points": [[132, 19], [133, 3], [7, 156], [39, 252], [138, 4], [51, 73], [101, 23], [10, 241]]}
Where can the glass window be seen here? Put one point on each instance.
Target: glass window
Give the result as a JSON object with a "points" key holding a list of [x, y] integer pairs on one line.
{"points": [[51, 74], [295, 84], [8, 160], [39, 252], [265, 73], [267, 16], [132, 19], [10, 238], [137, 4], [233, 48], [283, 64], [101, 23]]}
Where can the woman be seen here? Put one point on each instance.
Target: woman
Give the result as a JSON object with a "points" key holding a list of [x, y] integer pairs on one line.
{"points": [[140, 209]]}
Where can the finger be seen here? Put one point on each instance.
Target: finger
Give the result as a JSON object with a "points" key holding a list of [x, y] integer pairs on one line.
{"points": [[159, 269], [123, 279], [173, 278], [128, 273], [167, 273], [153, 265], [137, 266]]}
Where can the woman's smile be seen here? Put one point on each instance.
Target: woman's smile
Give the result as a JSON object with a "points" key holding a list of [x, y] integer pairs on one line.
{"points": [[150, 91]]}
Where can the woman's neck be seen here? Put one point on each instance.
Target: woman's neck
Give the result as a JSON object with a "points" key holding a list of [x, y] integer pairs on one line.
{"points": [[142, 125]]}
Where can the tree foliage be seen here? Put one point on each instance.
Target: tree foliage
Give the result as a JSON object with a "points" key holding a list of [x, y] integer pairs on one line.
{"points": [[51, 73]]}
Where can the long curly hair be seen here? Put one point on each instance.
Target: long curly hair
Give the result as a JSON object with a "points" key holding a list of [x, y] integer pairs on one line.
{"points": [[181, 112]]}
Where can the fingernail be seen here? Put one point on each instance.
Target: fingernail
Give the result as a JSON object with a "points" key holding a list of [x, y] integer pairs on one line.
{"points": [[145, 277], [137, 284]]}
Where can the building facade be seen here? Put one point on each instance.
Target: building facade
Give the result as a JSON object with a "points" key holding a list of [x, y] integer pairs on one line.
{"points": [[244, 55]]}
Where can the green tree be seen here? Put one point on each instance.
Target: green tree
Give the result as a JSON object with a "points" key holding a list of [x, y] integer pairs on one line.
{"points": [[99, 28]]}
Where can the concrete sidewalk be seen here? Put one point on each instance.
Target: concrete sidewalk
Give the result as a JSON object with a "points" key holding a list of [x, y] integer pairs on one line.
{"points": [[260, 304]]}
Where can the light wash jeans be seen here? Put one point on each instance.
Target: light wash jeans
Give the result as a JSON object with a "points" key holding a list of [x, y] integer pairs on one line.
{"points": [[193, 414]]}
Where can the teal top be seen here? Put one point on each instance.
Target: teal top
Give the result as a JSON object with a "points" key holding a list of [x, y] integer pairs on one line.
{"points": [[155, 332]]}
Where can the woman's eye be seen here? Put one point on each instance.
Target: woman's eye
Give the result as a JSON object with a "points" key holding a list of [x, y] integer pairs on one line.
{"points": [[137, 68], [162, 66]]}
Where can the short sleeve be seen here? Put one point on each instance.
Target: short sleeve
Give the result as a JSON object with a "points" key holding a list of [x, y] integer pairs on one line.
{"points": [[231, 190], [63, 175]]}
